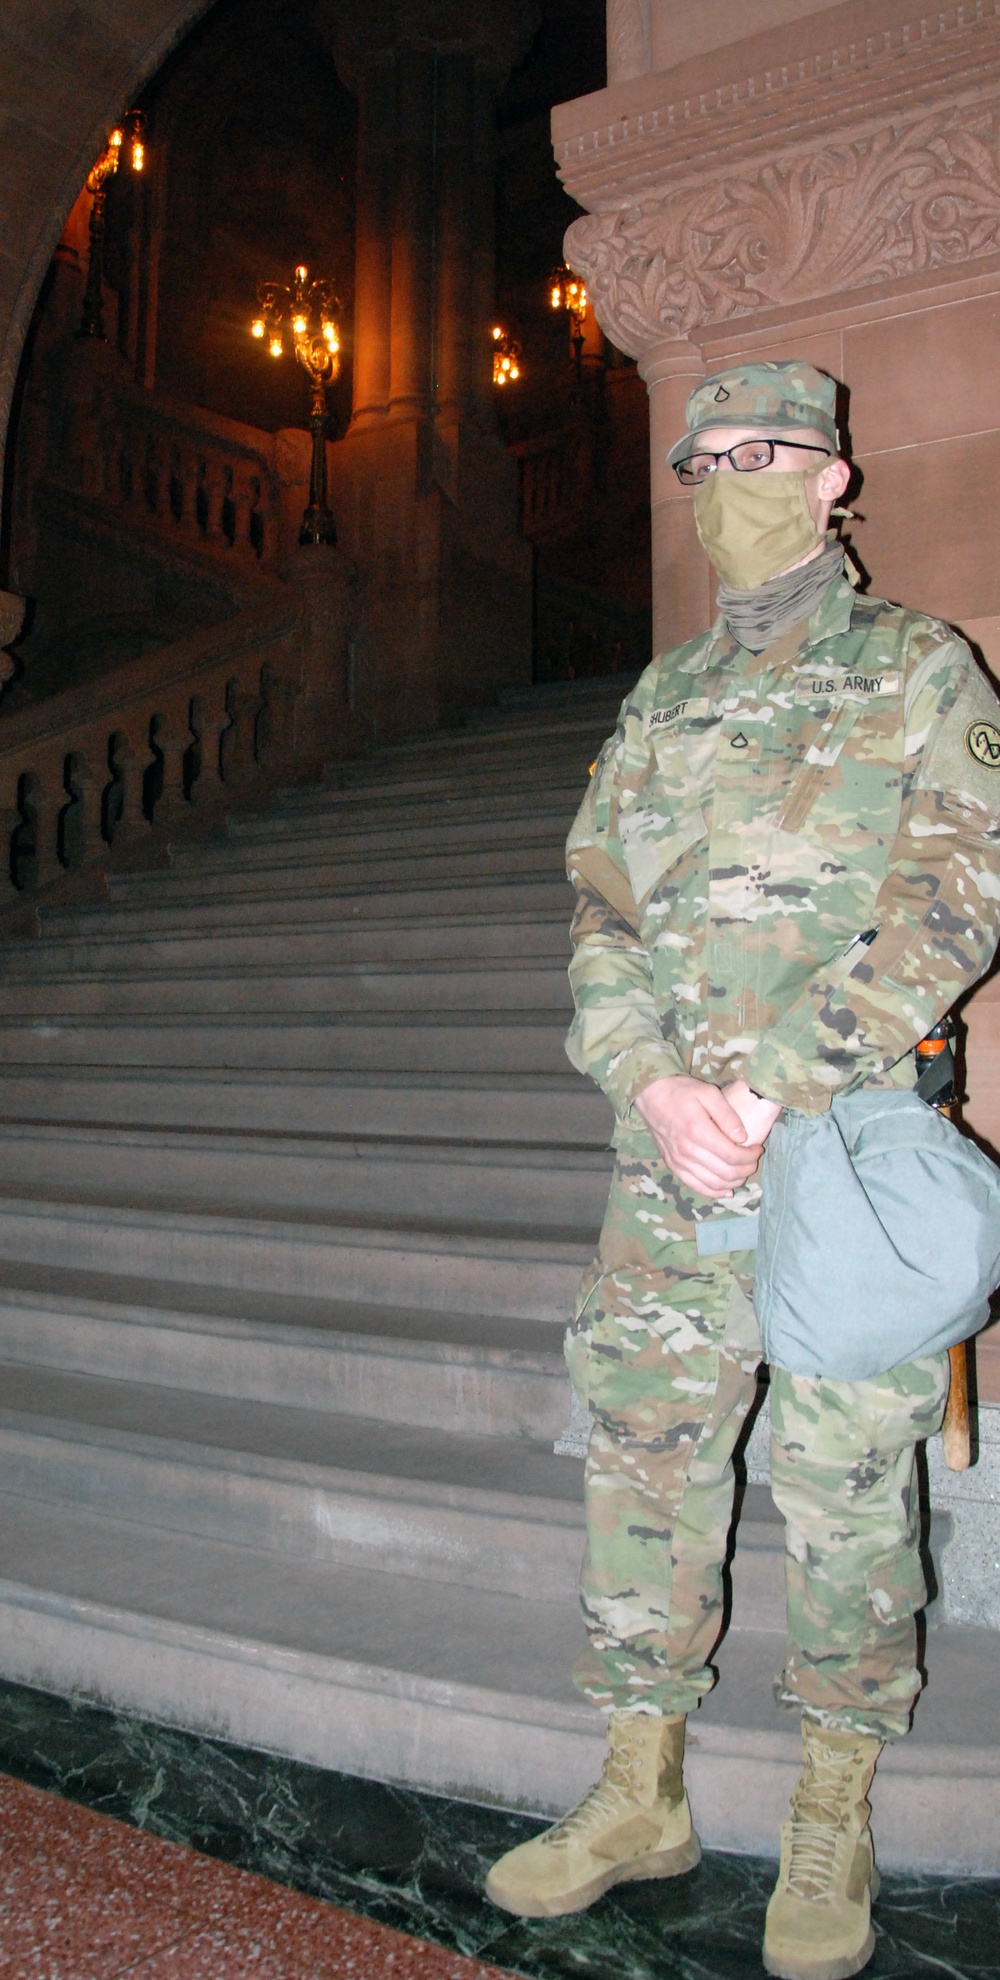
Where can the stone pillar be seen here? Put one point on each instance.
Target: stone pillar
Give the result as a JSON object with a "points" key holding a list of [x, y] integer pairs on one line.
{"points": [[458, 309], [682, 588], [412, 336], [424, 493], [376, 90]]}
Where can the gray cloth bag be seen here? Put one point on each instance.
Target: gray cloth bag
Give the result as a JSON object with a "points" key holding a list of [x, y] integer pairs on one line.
{"points": [[879, 1237]]}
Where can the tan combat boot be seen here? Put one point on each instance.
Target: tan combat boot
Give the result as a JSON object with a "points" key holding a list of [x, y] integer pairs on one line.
{"points": [[635, 1823], [819, 1918]]}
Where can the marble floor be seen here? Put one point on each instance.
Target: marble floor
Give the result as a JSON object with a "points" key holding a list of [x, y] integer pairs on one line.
{"points": [[406, 1862]]}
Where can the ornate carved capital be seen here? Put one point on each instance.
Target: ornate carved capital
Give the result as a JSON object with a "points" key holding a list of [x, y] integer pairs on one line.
{"points": [[911, 195]]}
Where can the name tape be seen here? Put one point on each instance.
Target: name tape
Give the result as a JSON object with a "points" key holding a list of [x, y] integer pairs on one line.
{"points": [[820, 686]]}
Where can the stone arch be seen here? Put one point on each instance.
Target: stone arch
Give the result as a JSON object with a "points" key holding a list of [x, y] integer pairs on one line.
{"points": [[71, 73]]}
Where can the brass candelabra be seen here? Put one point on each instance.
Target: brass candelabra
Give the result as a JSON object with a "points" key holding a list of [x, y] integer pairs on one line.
{"points": [[129, 136], [307, 311]]}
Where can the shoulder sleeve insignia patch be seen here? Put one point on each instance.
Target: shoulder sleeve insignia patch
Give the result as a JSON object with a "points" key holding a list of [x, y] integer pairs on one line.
{"points": [[982, 740]]}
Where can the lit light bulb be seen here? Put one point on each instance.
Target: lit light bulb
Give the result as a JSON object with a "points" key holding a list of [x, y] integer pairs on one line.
{"points": [[330, 336], [556, 296], [138, 155], [300, 274], [276, 347], [497, 333], [515, 371], [257, 327], [116, 139], [299, 325]]}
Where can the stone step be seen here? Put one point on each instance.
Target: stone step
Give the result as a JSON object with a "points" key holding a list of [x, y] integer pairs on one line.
{"points": [[327, 812], [484, 1041], [448, 1687], [557, 1109], [273, 879], [548, 1190], [531, 895], [483, 1375], [401, 939], [356, 987], [489, 1512], [449, 1271], [426, 1504], [525, 728], [317, 839]]}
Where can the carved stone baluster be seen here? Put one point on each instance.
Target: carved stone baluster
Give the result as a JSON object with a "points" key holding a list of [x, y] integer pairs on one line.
{"points": [[238, 753], [227, 507], [205, 774], [275, 737], [37, 854], [172, 738], [129, 824], [10, 821], [82, 837]]}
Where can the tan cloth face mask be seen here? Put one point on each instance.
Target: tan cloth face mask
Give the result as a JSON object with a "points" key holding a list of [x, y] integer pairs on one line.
{"points": [[754, 525]]}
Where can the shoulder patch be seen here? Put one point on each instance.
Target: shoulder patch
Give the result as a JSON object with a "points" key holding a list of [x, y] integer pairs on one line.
{"points": [[982, 740]]}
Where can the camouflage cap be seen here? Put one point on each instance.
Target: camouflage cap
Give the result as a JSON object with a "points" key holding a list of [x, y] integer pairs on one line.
{"points": [[772, 397]]}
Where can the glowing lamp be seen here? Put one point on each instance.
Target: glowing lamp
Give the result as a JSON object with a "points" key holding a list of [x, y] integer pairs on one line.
{"points": [[506, 357]]}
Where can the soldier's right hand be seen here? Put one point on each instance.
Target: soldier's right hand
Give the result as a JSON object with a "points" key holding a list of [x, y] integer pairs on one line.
{"points": [[700, 1136]]}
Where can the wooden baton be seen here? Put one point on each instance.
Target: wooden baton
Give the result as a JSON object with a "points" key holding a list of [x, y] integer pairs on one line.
{"points": [[956, 1434]]}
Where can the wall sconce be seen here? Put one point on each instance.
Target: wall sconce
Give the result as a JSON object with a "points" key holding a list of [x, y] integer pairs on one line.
{"points": [[130, 137], [308, 310], [569, 292], [506, 357]]}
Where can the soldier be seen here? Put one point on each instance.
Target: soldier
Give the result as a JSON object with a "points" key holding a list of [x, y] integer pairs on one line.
{"points": [[787, 868]]}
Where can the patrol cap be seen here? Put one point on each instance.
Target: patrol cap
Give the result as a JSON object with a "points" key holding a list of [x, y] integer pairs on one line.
{"points": [[775, 398]]}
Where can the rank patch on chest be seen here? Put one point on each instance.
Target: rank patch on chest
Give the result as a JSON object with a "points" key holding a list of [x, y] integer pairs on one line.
{"points": [[982, 740], [853, 687]]}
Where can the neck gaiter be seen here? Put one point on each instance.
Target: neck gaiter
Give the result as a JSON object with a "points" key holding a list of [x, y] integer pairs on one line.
{"points": [[758, 617]]}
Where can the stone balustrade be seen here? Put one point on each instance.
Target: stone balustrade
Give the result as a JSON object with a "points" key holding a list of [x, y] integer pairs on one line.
{"points": [[186, 474], [106, 775]]}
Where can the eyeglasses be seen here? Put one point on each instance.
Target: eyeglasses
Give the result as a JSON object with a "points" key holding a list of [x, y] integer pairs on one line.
{"points": [[747, 457]]}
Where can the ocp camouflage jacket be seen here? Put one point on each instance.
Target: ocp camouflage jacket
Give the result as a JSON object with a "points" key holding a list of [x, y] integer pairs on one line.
{"points": [[754, 816]]}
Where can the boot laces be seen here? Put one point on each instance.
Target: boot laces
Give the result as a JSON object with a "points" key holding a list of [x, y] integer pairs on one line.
{"points": [[618, 1785], [820, 1807]]}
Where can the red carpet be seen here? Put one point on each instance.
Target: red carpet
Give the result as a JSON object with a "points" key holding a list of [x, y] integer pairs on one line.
{"points": [[83, 1897]]}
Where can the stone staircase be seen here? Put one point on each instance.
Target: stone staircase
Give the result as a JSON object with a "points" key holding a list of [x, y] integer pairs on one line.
{"points": [[296, 1185]]}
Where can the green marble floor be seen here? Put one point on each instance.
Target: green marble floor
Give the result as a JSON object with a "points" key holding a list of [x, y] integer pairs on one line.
{"points": [[417, 1862]]}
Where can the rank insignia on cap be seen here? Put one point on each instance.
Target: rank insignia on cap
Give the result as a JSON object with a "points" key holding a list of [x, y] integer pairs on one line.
{"points": [[721, 396], [982, 740]]}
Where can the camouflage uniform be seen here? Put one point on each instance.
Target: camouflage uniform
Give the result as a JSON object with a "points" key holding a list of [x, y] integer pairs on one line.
{"points": [[751, 818]]}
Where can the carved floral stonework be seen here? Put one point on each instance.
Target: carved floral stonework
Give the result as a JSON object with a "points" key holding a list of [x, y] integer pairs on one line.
{"points": [[911, 197], [628, 39]]}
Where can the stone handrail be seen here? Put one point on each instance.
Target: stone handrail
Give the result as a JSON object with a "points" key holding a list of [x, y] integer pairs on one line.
{"points": [[104, 775], [192, 476]]}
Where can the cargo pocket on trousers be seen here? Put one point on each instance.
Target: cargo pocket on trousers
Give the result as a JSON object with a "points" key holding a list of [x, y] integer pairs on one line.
{"points": [[642, 1349]]}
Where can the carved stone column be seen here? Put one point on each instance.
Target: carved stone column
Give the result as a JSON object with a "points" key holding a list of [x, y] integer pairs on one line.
{"points": [[424, 492]]}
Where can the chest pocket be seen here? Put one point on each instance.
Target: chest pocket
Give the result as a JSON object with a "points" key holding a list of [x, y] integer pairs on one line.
{"points": [[848, 780], [662, 816]]}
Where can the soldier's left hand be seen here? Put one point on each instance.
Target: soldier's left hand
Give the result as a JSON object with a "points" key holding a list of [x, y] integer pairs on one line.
{"points": [[758, 1115]]}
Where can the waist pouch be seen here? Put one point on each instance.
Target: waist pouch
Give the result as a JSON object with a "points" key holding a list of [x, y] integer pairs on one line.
{"points": [[879, 1237]]}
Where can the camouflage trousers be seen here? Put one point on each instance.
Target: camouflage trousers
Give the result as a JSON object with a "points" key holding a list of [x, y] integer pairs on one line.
{"points": [[663, 1350]]}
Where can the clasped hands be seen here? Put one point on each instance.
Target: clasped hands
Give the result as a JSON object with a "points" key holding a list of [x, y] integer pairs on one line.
{"points": [[712, 1137]]}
